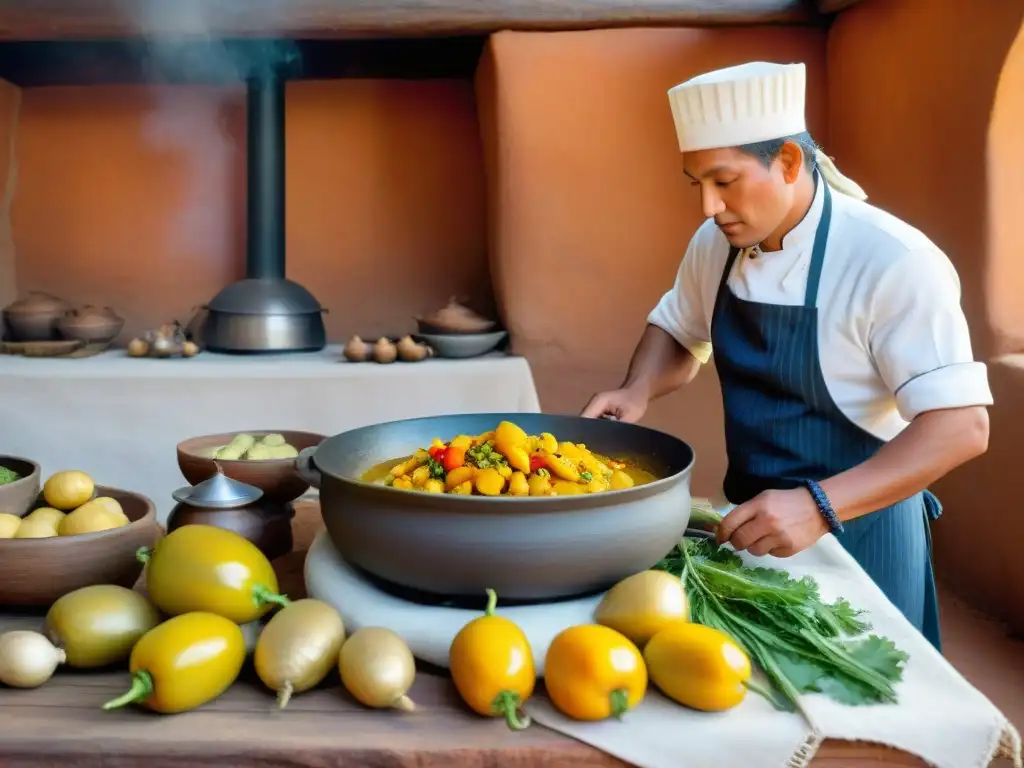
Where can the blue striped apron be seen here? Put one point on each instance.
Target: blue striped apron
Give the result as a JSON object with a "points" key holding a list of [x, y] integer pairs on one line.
{"points": [[782, 427]]}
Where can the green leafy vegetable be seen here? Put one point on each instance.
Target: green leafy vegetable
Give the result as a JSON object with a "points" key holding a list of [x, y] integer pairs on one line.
{"points": [[436, 468], [8, 476], [803, 644]]}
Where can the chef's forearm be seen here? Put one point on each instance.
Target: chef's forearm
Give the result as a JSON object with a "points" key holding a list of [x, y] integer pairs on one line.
{"points": [[935, 443], [660, 365]]}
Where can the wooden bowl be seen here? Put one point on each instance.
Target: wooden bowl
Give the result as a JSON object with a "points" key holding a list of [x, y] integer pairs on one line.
{"points": [[18, 497], [36, 572], [277, 478]]}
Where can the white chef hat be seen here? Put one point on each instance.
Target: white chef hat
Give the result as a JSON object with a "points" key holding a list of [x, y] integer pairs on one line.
{"points": [[745, 104]]}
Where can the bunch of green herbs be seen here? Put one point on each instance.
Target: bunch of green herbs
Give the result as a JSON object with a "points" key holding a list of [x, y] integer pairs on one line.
{"points": [[803, 644], [8, 476]]}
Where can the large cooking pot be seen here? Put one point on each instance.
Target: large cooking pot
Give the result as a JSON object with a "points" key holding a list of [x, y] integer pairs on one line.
{"points": [[526, 548]]}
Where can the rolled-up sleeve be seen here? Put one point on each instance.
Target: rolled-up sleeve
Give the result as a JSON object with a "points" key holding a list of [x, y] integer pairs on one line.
{"points": [[919, 338], [681, 311]]}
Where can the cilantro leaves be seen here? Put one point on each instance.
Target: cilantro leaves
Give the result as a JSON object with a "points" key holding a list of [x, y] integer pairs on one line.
{"points": [[803, 644]]}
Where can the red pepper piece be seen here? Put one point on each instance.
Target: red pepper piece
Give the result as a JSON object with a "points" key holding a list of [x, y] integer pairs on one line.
{"points": [[453, 458], [536, 462]]}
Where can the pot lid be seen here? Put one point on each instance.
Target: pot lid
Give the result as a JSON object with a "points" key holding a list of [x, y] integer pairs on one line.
{"points": [[218, 492], [265, 296], [37, 302]]}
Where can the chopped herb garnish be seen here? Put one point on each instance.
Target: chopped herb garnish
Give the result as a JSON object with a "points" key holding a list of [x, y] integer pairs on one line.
{"points": [[542, 472], [484, 456], [586, 477], [435, 467]]}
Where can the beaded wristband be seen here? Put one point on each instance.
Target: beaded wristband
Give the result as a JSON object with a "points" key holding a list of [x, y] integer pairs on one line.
{"points": [[824, 506]]}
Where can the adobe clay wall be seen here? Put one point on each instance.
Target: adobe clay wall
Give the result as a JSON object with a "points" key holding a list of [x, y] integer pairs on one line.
{"points": [[554, 178]]}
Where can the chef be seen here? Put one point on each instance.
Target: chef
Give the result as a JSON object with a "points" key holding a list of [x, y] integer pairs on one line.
{"points": [[848, 380]]}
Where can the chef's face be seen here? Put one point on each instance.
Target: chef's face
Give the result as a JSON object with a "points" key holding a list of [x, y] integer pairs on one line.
{"points": [[747, 199]]}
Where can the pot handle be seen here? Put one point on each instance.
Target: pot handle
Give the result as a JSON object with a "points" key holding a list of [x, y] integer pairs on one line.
{"points": [[306, 467]]}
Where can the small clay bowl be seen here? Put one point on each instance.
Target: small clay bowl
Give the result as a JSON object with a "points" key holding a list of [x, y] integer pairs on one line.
{"points": [[463, 345], [18, 497], [93, 325], [34, 317], [36, 572], [277, 478]]}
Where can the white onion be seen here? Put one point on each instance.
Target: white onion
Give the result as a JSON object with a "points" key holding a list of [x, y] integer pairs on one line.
{"points": [[27, 659]]}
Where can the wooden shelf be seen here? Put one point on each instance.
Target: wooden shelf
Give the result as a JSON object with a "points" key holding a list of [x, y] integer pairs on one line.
{"points": [[39, 20], [216, 61]]}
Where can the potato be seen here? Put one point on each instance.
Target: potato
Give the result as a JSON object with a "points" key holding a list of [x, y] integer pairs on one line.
{"points": [[518, 485], [488, 482], [237, 448], [459, 476]]}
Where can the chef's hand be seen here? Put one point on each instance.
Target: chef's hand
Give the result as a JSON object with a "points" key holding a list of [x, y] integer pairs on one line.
{"points": [[777, 523], [622, 404]]}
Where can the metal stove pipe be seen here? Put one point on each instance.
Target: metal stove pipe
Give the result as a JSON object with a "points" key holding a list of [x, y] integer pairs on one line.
{"points": [[265, 312], [265, 236]]}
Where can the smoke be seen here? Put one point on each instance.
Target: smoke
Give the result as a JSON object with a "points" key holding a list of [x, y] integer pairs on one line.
{"points": [[198, 84], [189, 124]]}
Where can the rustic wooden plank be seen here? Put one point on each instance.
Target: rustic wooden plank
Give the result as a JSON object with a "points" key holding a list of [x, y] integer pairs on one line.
{"points": [[133, 61], [62, 722], [63, 19], [834, 6]]}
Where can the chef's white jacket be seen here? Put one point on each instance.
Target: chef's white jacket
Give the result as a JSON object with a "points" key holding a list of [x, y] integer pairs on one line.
{"points": [[892, 337]]}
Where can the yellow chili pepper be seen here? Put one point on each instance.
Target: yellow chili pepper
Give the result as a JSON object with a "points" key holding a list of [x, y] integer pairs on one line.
{"points": [[204, 568], [184, 663], [697, 666], [592, 672], [491, 664]]}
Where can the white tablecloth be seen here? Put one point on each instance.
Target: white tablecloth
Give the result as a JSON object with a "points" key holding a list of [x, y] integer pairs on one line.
{"points": [[940, 717], [119, 419]]}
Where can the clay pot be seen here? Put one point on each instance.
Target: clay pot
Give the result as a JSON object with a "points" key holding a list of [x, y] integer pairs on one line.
{"points": [[93, 325], [34, 317], [266, 524]]}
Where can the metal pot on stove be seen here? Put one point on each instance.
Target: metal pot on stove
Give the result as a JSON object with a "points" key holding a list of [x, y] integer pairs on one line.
{"points": [[525, 548]]}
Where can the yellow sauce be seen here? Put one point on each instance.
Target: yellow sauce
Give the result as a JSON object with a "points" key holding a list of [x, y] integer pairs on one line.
{"points": [[507, 462]]}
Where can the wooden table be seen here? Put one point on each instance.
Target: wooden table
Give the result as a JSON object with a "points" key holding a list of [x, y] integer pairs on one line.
{"points": [[62, 722]]}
